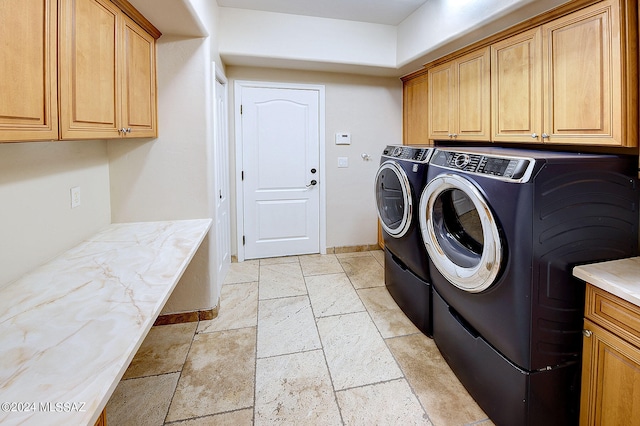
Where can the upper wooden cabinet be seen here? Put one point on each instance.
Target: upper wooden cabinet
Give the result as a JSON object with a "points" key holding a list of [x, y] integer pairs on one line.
{"points": [[139, 107], [459, 104], [107, 73], [516, 88], [563, 82], [415, 100], [89, 74], [76, 69], [569, 76], [584, 92], [28, 85]]}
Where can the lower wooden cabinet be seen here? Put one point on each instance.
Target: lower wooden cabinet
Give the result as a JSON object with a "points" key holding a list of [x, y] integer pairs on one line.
{"points": [[102, 420], [380, 237], [611, 361]]}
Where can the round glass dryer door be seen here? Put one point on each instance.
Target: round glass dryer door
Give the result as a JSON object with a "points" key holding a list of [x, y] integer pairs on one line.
{"points": [[393, 196], [460, 233]]}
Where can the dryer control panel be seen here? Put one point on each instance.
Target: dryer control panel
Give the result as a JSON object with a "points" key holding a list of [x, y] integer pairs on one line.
{"points": [[508, 168], [411, 153]]}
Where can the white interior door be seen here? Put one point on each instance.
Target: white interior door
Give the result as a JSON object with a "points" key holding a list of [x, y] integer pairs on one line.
{"points": [[280, 171], [222, 203]]}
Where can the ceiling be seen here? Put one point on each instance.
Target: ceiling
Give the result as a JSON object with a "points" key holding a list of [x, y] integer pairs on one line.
{"points": [[390, 12]]}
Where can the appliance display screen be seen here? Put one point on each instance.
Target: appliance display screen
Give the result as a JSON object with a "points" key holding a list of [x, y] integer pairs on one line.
{"points": [[496, 166]]}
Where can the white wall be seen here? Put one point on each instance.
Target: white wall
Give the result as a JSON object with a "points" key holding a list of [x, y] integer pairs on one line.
{"points": [[36, 219], [208, 13], [440, 27], [268, 39], [171, 177], [368, 107], [267, 36], [167, 178]]}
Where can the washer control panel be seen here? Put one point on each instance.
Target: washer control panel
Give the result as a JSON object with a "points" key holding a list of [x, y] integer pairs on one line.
{"points": [[508, 168], [410, 153]]}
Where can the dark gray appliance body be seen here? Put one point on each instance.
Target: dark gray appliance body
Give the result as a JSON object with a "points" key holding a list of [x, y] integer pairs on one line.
{"points": [[401, 176], [503, 229]]}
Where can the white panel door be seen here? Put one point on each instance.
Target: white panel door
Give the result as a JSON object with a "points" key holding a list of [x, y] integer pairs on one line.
{"points": [[280, 168], [223, 203]]}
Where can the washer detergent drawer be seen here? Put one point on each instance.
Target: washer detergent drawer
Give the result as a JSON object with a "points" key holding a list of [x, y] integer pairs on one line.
{"points": [[508, 394], [412, 294]]}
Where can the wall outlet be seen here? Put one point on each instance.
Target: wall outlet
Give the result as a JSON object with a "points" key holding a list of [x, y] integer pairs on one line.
{"points": [[75, 197]]}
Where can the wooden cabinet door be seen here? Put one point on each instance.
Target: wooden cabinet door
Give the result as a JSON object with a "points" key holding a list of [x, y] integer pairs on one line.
{"points": [[610, 380], [472, 105], [88, 66], [138, 81], [28, 78], [516, 93], [441, 98], [415, 110], [460, 98], [582, 77]]}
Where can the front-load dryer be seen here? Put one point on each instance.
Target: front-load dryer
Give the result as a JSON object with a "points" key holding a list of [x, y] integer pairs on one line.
{"points": [[399, 181], [503, 229]]}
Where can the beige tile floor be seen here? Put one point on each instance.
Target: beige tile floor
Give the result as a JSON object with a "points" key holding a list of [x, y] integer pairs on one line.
{"points": [[301, 340]]}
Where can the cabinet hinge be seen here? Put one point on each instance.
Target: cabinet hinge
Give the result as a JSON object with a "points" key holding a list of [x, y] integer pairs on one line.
{"points": [[243, 240], [242, 175], [241, 109]]}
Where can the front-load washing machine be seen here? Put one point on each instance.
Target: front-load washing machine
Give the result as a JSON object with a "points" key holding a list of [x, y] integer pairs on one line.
{"points": [[503, 229], [399, 181]]}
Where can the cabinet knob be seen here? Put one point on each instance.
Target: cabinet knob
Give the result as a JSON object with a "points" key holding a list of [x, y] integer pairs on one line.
{"points": [[587, 333], [545, 136], [534, 135]]}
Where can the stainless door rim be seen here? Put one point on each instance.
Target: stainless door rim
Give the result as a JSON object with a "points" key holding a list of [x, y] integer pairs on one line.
{"points": [[471, 279], [401, 229]]}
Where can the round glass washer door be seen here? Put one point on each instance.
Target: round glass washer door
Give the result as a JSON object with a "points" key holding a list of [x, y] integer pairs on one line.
{"points": [[393, 196], [460, 233]]}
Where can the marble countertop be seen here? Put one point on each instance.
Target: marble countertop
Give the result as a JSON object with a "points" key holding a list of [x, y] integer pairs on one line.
{"points": [[69, 329], [618, 277]]}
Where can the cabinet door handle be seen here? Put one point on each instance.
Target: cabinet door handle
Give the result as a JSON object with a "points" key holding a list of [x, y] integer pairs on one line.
{"points": [[545, 136], [534, 135], [587, 333]]}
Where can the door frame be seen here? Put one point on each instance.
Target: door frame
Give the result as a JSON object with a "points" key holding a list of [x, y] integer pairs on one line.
{"points": [[238, 86]]}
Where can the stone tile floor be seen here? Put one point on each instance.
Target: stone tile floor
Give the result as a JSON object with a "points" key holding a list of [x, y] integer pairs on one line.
{"points": [[301, 340]]}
